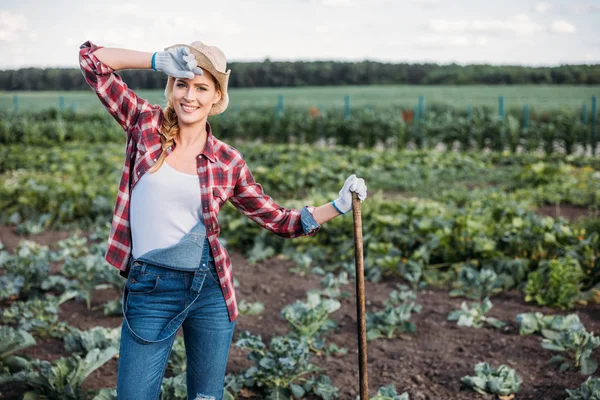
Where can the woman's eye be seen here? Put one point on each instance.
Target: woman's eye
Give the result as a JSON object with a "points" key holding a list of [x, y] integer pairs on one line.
{"points": [[181, 85]]}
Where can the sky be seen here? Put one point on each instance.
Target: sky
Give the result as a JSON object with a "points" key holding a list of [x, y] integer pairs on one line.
{"points": [[38, 33]]}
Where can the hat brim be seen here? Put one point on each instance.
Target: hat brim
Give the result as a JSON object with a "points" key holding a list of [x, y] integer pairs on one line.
{"points": [[221, 77]]}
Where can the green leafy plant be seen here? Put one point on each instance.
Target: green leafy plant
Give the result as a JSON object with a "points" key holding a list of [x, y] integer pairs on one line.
{"points": [[39, 316], [246, 308], [589, 390], [11, 341], [475, 316], [174, 388], [91, 271], [177, 359], [78, 341], [279, 370], [106, 394], [504, 381], [394, 318], [556, 283], [310, 319], [332, 285], [389, 393], [578, 345], [63, 379], [548, 325], [476, 284]]}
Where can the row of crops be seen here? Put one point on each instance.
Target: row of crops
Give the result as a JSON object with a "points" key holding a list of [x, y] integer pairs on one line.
{"points": [[281, 368], [463, 222], [548, 132]]}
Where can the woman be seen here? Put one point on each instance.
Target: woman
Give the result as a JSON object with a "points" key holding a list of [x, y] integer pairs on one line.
{"points": [[164, 234]]}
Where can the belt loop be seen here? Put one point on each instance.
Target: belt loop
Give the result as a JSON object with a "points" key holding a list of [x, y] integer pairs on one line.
{"points": [[143, 267]]}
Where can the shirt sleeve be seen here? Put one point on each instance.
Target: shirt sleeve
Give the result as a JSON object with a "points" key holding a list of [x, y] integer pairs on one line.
{"points": [[249, 198], [120, 101], [309, 223]]}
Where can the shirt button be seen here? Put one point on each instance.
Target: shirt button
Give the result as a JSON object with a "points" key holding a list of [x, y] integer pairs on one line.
{"points": [[138, 172], [203, 186], [155, 159]]}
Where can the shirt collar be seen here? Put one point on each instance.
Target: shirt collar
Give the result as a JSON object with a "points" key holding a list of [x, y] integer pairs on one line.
{"points": [[209, 148]]}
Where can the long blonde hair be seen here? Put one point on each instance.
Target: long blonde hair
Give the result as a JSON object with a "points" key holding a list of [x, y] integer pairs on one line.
{"points": [[169, 129]]}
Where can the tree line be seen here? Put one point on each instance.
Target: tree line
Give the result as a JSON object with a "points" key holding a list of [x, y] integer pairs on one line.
{"points": [[322, 73]]}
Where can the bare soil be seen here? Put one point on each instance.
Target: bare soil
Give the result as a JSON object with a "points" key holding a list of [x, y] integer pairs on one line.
{"points": [[428, 364]]}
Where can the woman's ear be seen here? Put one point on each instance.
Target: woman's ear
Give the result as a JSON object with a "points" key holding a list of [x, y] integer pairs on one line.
{"points": [[217, 97]]}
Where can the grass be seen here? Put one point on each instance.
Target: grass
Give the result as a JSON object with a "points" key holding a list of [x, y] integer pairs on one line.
{"points": [[539, 97]]}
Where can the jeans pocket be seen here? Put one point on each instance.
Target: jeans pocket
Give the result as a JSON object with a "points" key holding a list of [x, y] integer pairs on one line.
{"points": [[138, 283]]}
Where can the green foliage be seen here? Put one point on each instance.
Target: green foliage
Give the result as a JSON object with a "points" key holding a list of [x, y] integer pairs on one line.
{"points": [[39, 316], [11, 341], [310, 319], [475, 316], [278, 370], [556, 283], [106, 394], [246, 308], [177, 359], [578, 346], [504, 381], [394, 318], [389, 393], [91, 271], [476, 284], [548, 325], [332, 285], [589, 390], [78, 341], [174, 388], [63, 379]]}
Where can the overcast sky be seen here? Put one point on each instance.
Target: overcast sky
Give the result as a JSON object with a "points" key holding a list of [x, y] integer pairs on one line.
{"points": [[39, 33]]}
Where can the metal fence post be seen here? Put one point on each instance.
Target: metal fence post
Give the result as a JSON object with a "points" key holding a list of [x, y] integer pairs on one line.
{"points": [[346, 107], [594, 121]]}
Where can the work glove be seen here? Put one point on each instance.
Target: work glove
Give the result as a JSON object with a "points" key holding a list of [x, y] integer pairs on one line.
{"points": [[353, 184], [177, 62]]}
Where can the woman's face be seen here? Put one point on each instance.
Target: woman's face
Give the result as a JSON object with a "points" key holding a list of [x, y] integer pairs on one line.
{"points": [[193, 99]]}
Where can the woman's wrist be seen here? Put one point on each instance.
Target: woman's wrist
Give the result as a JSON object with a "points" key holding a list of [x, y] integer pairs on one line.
{"points": [[336, 207]]}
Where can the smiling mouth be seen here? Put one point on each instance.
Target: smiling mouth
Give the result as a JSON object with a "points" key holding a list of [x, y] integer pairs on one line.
{"points": [[189, 108]]}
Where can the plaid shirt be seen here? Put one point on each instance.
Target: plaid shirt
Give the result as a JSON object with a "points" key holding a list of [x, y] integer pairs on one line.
{"points": [[222, 173]]}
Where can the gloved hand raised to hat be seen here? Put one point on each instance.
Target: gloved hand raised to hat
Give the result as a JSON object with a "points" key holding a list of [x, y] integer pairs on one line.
{"points": [[353, 184], [177, 62]]}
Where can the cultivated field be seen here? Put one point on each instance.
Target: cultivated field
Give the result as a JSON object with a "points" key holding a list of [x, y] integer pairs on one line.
{"points": [[405, 96]]}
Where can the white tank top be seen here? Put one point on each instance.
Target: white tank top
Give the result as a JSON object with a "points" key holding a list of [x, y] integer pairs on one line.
{"points": [[165, 205]]}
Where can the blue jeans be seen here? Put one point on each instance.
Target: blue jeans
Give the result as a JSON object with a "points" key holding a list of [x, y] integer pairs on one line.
{"points": [[156, 301]]}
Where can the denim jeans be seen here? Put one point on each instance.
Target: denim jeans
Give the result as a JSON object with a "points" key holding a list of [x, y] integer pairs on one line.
{"points": [[156, 301]]}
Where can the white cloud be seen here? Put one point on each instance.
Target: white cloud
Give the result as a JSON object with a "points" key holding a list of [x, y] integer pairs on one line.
{"points": [[518, 25], [11, 26], [562, 26], [427, 2], [445, 41], [332, 3], [583, 8], [542, 7], [592, 58]]}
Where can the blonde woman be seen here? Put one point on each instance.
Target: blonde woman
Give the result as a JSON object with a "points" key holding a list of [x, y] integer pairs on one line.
{"points": [[164, 237]]}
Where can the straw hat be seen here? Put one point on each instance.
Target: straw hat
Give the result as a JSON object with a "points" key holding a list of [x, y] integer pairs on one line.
{"points": [[211, 59]]}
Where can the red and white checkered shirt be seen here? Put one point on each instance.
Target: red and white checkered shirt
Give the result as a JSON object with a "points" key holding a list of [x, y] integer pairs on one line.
{"points": [[222, 173]]}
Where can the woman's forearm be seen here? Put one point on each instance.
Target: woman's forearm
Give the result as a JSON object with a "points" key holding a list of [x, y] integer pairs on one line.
{"points": [[324, 213], [119, 59]]}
